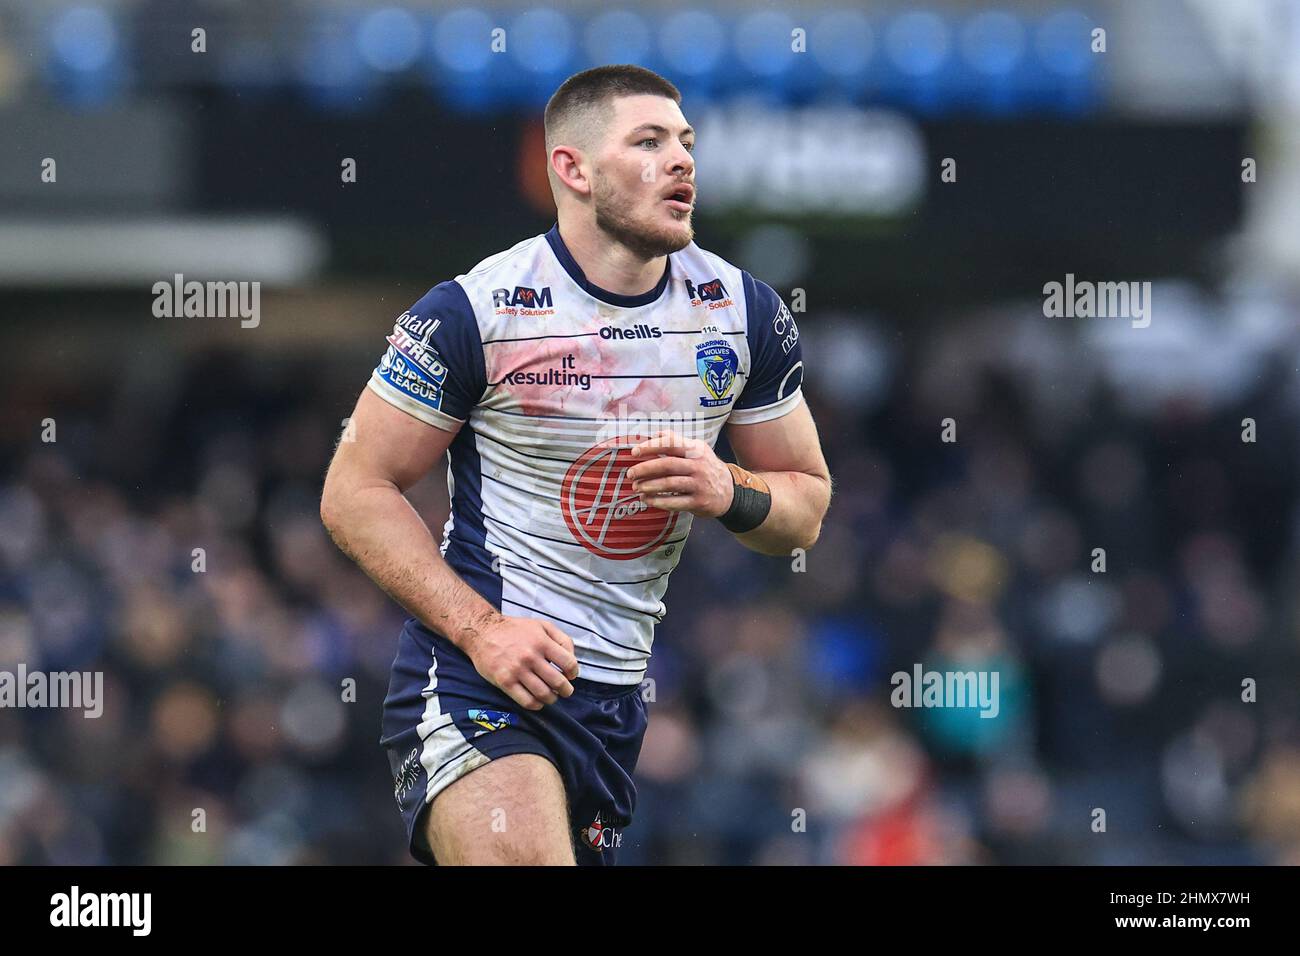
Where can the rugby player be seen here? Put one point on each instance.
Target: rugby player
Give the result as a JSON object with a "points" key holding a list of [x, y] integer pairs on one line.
{"points": [[577, 382]]}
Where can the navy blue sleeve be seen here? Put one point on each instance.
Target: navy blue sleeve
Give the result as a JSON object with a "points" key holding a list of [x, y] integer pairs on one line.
{"points": [[772, 385], [433, 368]]}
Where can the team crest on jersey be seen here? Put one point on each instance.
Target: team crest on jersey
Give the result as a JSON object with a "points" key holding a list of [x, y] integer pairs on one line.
{"points": [[716, 361], [602, 511], [491, 720]]}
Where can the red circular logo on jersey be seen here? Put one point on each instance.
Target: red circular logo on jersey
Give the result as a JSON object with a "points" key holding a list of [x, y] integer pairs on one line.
{"points": [[602, 511]]}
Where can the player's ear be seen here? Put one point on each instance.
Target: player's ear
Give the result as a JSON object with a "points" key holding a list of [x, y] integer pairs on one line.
{"points": [[566, 164]]}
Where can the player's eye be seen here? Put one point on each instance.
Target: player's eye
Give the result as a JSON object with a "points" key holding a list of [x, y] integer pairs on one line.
{"points": [[652, 141], [690, 146]]}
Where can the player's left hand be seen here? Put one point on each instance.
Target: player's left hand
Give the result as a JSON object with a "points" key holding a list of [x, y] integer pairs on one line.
{"points": [[681, 474]]}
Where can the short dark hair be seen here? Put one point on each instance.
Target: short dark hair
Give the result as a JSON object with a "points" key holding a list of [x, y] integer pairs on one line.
{"points": [[582, 92]]}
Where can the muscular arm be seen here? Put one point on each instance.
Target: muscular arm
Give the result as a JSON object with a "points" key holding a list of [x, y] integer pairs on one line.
{"points": [[786, 453], [364, 508], [679, 474]]}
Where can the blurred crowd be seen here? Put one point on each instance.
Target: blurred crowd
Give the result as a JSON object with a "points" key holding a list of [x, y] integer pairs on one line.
{"points": [[169, 537]]}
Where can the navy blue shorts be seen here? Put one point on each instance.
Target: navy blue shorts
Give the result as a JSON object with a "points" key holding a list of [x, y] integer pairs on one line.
{"points": [[442, 719]]}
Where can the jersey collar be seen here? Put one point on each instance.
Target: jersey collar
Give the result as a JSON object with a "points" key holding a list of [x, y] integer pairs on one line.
{"points": [[611, 298]]}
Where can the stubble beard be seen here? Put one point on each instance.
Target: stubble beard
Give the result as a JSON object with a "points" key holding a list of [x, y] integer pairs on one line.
{"points": [[647, 243]]}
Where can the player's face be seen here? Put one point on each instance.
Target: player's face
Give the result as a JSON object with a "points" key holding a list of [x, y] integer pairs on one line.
{"points": [[643, 184]]}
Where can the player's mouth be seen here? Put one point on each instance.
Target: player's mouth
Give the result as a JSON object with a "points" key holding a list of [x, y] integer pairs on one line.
{"points": [[681, 197]]}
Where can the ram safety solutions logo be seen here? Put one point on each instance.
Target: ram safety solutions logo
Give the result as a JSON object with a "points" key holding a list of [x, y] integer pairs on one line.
{"points": [[523, 301], [712, 293]]}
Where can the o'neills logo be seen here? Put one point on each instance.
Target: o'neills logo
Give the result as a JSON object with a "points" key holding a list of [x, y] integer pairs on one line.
{"points": [[602, 511], [639, 331]]}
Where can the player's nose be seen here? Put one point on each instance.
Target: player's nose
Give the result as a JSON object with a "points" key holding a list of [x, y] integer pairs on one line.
{"points": [[680, 163]]}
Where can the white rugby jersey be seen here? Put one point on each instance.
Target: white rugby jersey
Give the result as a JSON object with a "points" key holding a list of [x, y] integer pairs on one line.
{"points": [[553, 381]]}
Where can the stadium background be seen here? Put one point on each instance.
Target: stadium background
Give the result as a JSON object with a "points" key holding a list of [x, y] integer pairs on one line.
{"points": [[819, 171]]}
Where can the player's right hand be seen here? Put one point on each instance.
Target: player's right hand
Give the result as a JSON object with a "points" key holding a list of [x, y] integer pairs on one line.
{"points": [[530, 660]]}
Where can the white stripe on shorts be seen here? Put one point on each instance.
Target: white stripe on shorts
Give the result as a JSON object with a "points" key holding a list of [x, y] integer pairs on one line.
{"points": [[446, 755]]}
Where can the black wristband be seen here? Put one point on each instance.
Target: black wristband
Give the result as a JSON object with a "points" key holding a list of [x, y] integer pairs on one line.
{"points": [[749, 508]]}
